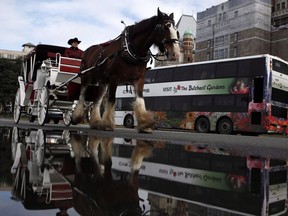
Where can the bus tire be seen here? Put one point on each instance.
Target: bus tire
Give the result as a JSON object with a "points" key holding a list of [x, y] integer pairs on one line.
{"points": [[129, 121], [225, 126], [202, 125]]}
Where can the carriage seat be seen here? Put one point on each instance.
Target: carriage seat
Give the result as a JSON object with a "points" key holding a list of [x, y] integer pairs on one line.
{"points": [[69, 65], [67, 68]]}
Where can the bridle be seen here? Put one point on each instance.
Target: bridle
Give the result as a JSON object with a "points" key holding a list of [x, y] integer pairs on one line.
{"points": [[137, 56]]}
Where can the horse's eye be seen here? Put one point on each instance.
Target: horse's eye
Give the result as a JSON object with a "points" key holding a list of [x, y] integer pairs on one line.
{"points": [[168, 25]]}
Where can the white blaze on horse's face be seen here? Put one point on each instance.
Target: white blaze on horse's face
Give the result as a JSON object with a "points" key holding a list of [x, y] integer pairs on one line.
{"points": [[173, 47]]}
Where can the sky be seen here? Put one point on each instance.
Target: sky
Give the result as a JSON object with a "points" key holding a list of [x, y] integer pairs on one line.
{"points": [[91, 21]]}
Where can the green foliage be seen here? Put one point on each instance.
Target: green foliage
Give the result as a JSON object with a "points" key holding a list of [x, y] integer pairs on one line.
{"points": [[9, 71]]}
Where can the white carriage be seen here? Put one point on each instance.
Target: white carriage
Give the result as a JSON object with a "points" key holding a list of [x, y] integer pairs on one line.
{"points": [[49, 85]]}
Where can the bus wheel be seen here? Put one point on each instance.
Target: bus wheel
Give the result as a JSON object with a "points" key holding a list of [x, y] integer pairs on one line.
{"points": [[225, 126], [129, 121], [202, 125]]}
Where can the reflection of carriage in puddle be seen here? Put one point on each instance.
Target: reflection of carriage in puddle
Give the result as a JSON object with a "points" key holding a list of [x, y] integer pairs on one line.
{"points": [[49, 86], [40, 160]]}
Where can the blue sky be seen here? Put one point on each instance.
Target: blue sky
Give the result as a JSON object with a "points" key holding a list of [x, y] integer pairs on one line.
{"points": [[92, 21]]}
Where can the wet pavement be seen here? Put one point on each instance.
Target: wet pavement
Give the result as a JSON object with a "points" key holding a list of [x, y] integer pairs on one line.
{"points": [[81, 173]]}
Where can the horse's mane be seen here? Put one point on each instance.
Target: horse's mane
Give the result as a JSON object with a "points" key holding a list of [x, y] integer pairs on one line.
{"points": [[143, 25]]}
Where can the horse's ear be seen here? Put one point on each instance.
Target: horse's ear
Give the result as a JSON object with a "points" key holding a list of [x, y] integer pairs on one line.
{"points": [[159, 14], [171, 16]]}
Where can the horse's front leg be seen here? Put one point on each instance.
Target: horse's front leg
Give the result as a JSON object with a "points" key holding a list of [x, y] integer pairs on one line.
{"points": [[108, 121], [95, 117], [78, 113], [145, 118]]}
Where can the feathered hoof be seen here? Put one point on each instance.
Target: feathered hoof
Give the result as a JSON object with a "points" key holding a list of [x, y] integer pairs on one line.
{"points": [[76, 120], [145, 130], [95, 126], [107, 127]]}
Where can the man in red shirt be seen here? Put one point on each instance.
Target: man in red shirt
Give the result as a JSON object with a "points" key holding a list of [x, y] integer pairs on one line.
{"points": [[73, 51]]}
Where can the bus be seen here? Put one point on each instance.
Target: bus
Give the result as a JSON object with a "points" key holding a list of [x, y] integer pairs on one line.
{"points": [[245, 94], [211, 178]]}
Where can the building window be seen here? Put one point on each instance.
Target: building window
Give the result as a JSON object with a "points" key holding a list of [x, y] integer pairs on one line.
{"points": [[236, 14], [283, 5], [220, 17], [208, 43], [235, 36], [209, 22], [278, 6], [235, 49], [224, 16]]}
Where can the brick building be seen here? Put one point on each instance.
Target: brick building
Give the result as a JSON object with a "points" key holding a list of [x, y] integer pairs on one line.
{"points": [[232, 29]]}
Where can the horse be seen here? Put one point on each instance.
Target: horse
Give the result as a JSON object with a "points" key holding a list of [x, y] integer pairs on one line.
{"points": [[123, 61], [95, 192]]}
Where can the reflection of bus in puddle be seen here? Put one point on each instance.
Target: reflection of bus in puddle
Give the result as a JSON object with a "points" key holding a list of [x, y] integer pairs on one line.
{"points": [[203, 181]]}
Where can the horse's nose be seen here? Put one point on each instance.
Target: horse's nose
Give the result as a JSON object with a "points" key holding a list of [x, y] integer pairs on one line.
{"points": [[175, 56]]}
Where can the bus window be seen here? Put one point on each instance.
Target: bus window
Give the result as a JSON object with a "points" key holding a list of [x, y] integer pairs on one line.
{"points": [[205, 71], [280, 67], [226, 69], [124, 104], [150, 76], [242, 102], [224, 100], [183, 73], [258, 89], [203, 101], [243, 68], [165, 75], [255, 67], [180, 103], [279, 95], [149, 102], [162, 104]]}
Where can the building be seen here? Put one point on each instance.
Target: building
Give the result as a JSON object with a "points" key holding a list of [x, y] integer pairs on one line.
{"points": [[234, 29], [279, 29], [11, 54]]}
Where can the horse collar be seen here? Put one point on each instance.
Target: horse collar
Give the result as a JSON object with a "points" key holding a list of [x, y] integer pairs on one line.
{"points": [[130, 50]]}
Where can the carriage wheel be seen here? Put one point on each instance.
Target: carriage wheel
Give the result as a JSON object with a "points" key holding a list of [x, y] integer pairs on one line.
{"points": [[40, 147], [67, 117], [14, 141], [43, 105], [17, 107]]}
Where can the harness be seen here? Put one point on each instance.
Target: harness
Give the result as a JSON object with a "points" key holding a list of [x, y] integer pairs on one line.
{"points": [[128, 51]]}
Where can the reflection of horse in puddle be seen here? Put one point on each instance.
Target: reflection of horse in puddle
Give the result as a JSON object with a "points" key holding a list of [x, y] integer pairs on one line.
{"points": [[95, 191]]}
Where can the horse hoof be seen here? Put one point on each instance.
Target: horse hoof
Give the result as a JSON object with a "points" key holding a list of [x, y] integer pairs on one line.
{"points": [[145, 130], [108, 129]]}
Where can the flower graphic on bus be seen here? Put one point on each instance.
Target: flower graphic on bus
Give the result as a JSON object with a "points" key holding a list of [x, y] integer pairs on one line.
{"points": [[240, 87]]}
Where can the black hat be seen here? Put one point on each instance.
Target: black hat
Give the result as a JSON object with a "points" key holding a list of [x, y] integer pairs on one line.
{"points": [[73, 40]]}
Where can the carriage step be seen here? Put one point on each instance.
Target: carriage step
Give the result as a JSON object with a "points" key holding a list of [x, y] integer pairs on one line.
{"points": [[59, 104]]}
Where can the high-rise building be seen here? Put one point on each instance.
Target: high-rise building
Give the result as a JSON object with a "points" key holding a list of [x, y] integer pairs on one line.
{"points": [[234, 28]]}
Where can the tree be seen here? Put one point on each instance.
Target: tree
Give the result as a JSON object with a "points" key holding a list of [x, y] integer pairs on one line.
{"points": [[9, 71]]}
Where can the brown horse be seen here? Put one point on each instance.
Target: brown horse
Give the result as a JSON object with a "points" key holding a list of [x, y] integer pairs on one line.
{"points": [[95, 192], [123, 61]]}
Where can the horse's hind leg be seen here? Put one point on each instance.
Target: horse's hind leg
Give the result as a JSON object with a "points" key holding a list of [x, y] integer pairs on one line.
{"points": [[95, 119], [78, 113], [108, 122]]}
